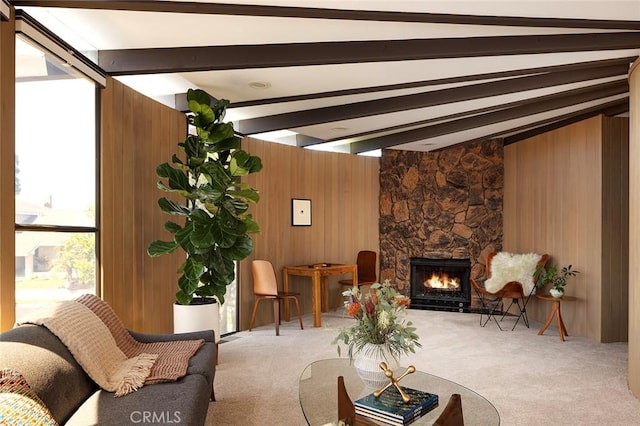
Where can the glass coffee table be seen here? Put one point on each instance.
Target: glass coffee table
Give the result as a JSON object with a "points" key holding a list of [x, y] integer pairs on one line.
{"points": [[319, 394]]}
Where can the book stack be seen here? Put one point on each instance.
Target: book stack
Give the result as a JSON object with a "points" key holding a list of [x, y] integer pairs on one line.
{"points": [[389, 407]]}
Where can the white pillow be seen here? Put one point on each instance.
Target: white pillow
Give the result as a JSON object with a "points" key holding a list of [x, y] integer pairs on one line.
{"points": [[507, 267]]}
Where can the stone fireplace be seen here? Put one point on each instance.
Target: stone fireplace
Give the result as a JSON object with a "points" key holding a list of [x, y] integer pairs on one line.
{"points": [[443, 204], [440, 284]]}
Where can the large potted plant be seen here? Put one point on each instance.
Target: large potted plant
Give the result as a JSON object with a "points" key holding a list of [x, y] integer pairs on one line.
{"points": [[215, 224]]}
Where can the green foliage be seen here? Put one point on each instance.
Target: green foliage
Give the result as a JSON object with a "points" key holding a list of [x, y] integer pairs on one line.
{"points": [[551, 276], [77, 259], [377, 316], [216, 222]]}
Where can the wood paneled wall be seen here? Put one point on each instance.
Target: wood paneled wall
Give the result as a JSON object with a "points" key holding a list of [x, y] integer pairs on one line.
{"points": [[7, 174], [634, 230], [565, 195], [137, 135], [343, 190], [615, 229]]}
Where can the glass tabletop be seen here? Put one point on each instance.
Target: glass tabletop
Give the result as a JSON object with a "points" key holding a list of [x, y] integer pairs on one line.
{"points": [[319, 393]]}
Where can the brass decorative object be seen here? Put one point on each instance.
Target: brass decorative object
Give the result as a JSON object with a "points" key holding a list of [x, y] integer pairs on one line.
{"points": [[394, 382]]}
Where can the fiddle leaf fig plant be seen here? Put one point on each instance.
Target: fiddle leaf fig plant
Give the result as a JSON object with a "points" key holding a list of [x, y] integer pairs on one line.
{"points": [[215, 227]]}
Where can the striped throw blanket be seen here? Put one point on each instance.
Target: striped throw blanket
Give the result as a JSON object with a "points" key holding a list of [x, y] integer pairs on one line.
{"points": [[173, 356], [100, 343]]}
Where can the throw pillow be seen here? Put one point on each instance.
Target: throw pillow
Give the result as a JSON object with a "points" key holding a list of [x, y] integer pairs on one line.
{"points": [[508, 267], [19, 404]]}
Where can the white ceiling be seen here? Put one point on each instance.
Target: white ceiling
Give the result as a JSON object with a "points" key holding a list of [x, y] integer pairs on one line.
{"points": [[458, 105]]}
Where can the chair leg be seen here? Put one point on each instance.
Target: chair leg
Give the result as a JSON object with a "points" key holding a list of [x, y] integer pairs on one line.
{"points": [[253, 315], [295, 299], [488, 308], [276, 315], [523, 313]]}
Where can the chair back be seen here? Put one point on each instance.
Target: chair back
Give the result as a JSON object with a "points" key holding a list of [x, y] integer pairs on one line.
{"points": [[366, 262], [264, 278], [514, 289]]}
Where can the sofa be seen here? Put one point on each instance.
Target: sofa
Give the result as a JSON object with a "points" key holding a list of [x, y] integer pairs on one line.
{"points": [[74, 399]]}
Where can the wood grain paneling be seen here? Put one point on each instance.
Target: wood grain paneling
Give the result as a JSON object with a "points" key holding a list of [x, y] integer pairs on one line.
{"points": [[137, 134], [344, 194], [7, 174], [615, 229], [559, 200], [634, 230]]}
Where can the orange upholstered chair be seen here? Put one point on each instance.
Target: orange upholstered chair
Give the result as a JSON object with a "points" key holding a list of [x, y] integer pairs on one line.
{"points": [[265, 286]]}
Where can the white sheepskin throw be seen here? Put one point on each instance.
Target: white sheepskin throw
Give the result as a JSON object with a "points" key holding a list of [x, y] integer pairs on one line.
{"points": [[507, 267]]}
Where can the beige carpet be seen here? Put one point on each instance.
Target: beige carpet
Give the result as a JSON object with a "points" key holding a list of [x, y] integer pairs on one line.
{"points": [[531, 379]]}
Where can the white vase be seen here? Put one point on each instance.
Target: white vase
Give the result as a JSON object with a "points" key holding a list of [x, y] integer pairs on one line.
{"points": [[556, 293], [188, 318], [367, 364]]}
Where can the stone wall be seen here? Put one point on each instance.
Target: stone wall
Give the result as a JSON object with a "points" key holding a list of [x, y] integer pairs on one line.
{"points": [[441, 204]]}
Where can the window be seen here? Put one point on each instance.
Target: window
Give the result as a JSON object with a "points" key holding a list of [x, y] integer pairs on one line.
{"points": [[55, 181]]}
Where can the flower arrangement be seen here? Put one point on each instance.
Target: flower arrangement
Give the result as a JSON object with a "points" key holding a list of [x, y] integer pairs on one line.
{"points": [[377, 321]]}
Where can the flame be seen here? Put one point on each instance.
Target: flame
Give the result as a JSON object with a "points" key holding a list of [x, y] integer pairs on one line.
{"points": [[442, 281]]}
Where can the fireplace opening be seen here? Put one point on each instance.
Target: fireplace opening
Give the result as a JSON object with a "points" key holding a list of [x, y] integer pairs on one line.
{"points": [[440, 284]]}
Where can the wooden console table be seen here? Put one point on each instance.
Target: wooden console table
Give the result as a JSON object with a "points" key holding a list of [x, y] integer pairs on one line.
{"points": [[318, 274], [555, 312]]}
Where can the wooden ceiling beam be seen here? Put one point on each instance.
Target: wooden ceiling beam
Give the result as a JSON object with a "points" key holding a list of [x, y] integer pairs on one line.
{"points": [[208, 58], [540, 127], [425, 99], [210, 8], [625, 61], [536, 106]]}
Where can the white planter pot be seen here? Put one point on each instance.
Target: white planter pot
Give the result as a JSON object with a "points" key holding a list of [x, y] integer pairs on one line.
{"points": [[556, 293], [367, 364], [187, 318]]}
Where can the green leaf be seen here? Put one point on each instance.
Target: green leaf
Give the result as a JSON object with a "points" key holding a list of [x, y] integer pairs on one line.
{"points": [[226, 144], [192, 270], [158, 248], [247, 161], [176, 178], [202, 236], [183, 298], [240, 250], [221, 132], [246, 194], [198, 96], [171, 207], [252, 226], [172, 227]]}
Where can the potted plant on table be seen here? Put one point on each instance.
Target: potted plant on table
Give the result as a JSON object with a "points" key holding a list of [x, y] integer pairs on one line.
{"points": [[379, 334], [215, 220], [557, 279]]}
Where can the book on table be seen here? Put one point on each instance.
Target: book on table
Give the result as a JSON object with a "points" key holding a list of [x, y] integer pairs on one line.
{"points": [[390, 407]]}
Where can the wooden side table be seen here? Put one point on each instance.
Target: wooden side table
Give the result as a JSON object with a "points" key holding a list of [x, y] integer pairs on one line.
{"points": [[555, 312]]}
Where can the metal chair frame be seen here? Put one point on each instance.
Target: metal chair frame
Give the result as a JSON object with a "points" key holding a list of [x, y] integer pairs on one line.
{"points": [[512, 290]]}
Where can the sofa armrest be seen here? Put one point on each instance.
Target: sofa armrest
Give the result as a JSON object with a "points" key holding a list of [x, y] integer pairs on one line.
{"points": [[206, 335]]}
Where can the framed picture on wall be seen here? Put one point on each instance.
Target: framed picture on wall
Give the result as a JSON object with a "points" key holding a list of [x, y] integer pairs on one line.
{"points": [[300, 212]]}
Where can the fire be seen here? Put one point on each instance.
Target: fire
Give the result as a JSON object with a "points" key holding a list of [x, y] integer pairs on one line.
{"points": [[442, 281]]}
